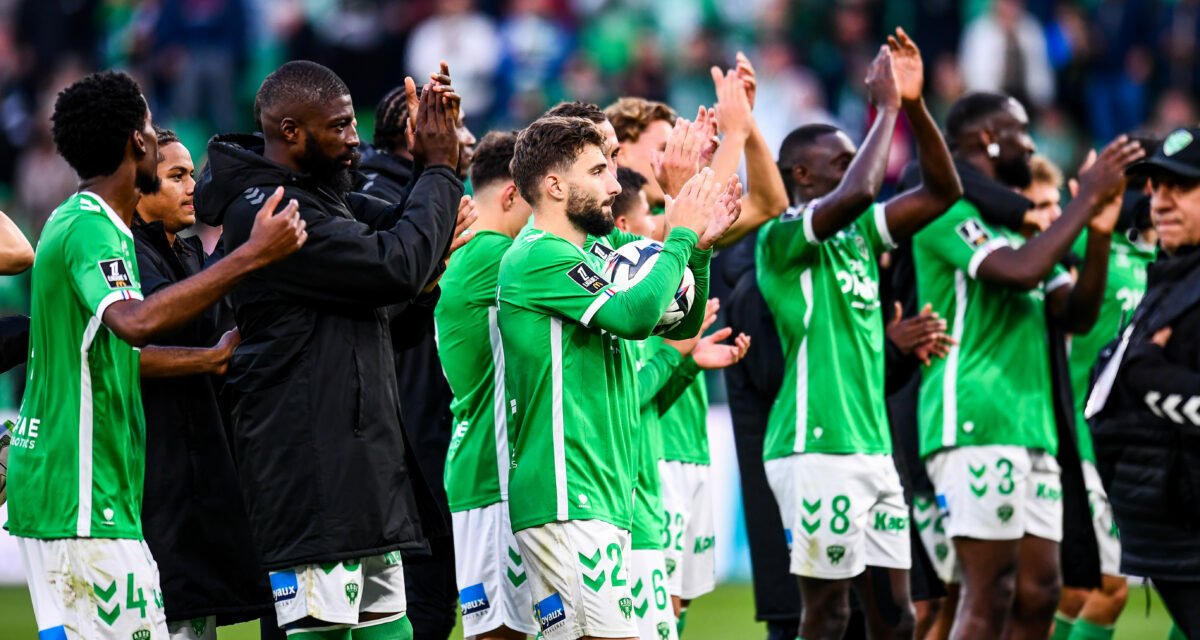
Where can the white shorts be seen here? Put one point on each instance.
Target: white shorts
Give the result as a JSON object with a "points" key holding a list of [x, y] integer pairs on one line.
{"points": [[841, 513], [998, 492], [93, 588], [651, 603], [195, 629], [337, 592], [579, 579], [493, 586], [690, 552], [930, 520], [1107, 536]]}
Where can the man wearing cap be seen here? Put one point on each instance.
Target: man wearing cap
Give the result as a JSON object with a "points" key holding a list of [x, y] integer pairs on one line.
{"points": [[1144, 407]]}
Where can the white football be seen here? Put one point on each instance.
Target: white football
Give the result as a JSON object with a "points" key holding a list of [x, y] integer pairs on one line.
{"points": [[627, 265]]}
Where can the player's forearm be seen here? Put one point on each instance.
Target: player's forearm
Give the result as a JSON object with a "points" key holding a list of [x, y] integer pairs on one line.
{"points": [[655, 372], [766, 196], [633, 313], [168, 309], [674, 387], [862, 181], [938, 174], [728, 156], [170, 362], [1083, 303], [15, 253]]}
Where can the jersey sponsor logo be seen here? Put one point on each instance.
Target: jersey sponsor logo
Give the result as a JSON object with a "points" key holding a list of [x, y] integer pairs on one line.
{"points": [[25, 433], [585, 277], [601, 251], [284, 585], [550, 612], [116, 273], [473, 599], [973, 233]]}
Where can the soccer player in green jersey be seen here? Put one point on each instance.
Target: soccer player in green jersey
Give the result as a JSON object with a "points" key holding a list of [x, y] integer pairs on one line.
{"points": [[987, 429], [1095, 611], [76, 467], [569, 377], [492, 581], [828, 448]]}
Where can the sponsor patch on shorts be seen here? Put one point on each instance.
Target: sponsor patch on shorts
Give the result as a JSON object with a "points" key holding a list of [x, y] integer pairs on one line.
{"points": [[551, 612], [284, 585], [473, 599]]}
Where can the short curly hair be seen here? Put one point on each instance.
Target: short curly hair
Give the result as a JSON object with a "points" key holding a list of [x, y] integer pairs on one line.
{"points": [[93, 118], [631, 116], [299, 82], [549, 144], [577, 109]]}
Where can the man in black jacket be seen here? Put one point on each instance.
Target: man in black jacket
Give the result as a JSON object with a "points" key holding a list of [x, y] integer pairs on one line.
{"points": [[329, 480], [193, 515], [387, 173], [1144, 408]]}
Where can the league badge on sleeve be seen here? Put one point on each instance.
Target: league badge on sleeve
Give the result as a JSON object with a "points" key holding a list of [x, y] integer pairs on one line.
{"points": [[585, 277], [116, 273], [973, 233]]}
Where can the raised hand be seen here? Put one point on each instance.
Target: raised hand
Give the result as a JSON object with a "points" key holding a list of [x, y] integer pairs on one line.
{"points": [[467, 215], [726, 211], [906, 61], [276, 234], [675, 165], [745, 71], [733, 108], [1103, 183], [435, 132], [882, 88], [706, 127], [710, 354], [693, 209]]}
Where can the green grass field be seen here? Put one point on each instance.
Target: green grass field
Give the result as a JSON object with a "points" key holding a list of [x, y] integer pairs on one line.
{"points": [[725, 613]]}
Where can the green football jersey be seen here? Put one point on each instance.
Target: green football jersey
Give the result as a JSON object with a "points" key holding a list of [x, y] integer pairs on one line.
{"points": [[993, 388], [649, 521], [468, 337], [570, 386], [1126, 285], [685, 425], [77, 461], [825, 298]]}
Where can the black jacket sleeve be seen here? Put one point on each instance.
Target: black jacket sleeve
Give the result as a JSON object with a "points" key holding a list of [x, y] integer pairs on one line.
{"points": [[14, 341], [409, 322], [347, 263]]}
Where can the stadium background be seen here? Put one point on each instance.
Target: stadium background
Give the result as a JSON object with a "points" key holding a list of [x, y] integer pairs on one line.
{"points": [[1087, 70]]}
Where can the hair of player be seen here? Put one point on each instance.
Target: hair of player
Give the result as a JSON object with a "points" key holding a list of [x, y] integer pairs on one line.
{"points": [[577, 109], [970, 111], [793, 146], [493, 159], [546, 145], [391, 114], [93, 119], [631, 185], [165, 136], [1045, 171], [299, 82], [631, 116]]}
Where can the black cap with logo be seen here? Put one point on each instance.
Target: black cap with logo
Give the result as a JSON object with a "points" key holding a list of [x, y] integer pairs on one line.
{"points": [[1179, 154]]}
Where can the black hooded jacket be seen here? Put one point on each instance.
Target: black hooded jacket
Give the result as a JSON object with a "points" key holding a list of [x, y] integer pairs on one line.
{"points": [[193, 516], [384, 175], [318, 434], [1147, 437]]}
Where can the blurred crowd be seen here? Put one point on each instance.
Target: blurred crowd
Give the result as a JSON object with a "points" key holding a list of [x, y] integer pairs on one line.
{"points": [[1087, 69]]}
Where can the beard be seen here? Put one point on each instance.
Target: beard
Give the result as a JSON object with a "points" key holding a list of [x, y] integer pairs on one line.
{"points": [[1014, 172], [587, 213], [330, 172]]}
